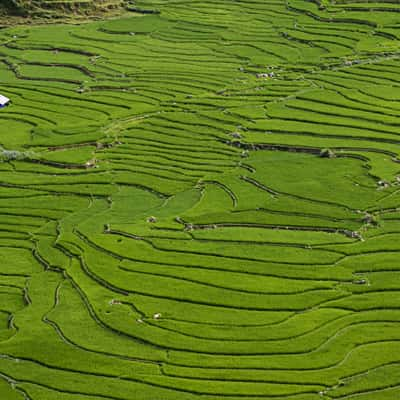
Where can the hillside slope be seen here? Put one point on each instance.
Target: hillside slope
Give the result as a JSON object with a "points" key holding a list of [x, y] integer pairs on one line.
{"points": [[202, 204], [58, 7]]}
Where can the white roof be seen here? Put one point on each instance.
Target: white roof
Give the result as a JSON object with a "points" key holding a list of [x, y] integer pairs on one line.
{"points": [[4, 100]]}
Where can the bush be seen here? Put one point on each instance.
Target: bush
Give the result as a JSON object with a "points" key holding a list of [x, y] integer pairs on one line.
{"points": [[11, 155]]}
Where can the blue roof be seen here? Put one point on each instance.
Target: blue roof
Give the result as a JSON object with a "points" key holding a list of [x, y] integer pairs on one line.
{"points": [[4, 100]]}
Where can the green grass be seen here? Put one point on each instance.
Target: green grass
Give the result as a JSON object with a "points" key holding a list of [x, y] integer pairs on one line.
{"points": [[201, 203]]}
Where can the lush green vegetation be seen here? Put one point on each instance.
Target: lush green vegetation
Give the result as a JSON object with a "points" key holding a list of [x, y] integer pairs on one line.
{"points": [[202, 203], [41, 11]]}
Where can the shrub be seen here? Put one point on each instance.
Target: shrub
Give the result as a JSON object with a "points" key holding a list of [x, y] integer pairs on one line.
{"points": [[11, 155]]}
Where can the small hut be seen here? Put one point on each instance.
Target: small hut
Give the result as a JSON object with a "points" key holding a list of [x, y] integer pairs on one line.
{"points": [[4, 101]]}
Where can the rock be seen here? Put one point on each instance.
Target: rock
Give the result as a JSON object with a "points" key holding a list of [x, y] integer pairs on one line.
{"points": [[360, 282], [370, 219], [189, 227], [327, 153], [383, 184]]}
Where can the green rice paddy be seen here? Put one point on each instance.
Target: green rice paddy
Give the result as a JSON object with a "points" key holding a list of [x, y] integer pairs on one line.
{"points": [[202, 203]]}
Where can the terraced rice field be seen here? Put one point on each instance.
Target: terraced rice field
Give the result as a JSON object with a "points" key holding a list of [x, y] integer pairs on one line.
{"points": [[202, 204]]}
